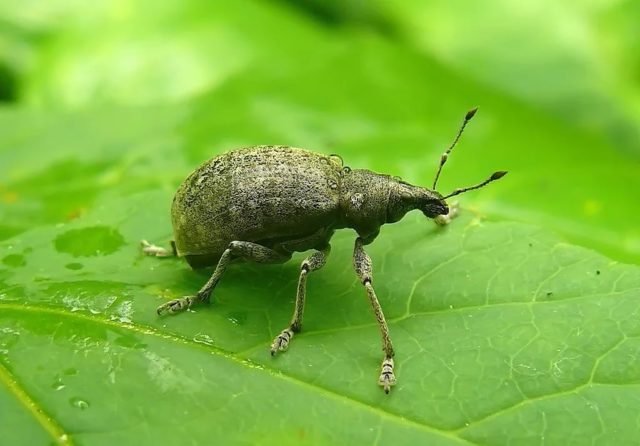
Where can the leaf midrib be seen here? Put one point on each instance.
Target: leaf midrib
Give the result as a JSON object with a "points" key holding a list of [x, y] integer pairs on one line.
{"points": [[147, 330], [45, 420]]}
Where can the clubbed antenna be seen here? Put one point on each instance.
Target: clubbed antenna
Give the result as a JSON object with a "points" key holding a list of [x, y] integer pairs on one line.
{"points": [[445, 155], [495, 176]]}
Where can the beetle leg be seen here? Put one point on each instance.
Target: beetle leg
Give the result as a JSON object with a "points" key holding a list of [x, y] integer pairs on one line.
{"points": [[244, 250], [443, 220], [312, 263], [362, 265], [158, 251]]}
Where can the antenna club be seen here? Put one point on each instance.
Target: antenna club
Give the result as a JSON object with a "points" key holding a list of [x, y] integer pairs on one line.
{"points": [[498, 175], [471, 113]]}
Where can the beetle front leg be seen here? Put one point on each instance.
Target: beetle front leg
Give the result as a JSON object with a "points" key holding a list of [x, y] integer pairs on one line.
{"points": [[245, 250], [312, 263], [362, 265], [443, 220]]}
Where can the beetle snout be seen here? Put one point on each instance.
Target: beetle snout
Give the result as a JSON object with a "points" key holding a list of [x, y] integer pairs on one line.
{"points": [[434, 208]]}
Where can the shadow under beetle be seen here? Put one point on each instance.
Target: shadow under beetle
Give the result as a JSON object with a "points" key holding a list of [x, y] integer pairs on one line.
{"points": [[263, 203]]}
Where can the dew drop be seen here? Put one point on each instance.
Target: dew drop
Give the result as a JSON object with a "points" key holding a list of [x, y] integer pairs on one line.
{"points": [[89, 241], [202, 338], [58, 384], [79, 403], [237, 317]]}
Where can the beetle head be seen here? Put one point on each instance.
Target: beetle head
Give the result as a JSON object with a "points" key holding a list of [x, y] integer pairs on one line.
{"points": [[404, 197], [432, 207]]}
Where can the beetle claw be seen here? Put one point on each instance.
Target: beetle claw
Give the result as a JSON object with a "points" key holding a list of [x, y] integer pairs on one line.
{"points": [[175, 306], [387, 377], [281, 342]]}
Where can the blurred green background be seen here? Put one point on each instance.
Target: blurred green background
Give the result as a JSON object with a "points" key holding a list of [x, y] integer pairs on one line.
{"points": [[383, 82], [108, 105]]}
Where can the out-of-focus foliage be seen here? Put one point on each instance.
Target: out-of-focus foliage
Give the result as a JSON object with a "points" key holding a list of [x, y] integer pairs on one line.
{"points": [[557, 85], [579, 61], [503, 331]]}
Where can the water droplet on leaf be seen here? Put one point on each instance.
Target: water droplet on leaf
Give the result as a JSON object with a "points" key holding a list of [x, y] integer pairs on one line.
{"points": [[79, 403], [58, 384], [202, 338]]}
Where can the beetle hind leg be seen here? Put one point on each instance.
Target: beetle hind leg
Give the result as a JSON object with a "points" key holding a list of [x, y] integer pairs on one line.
{"points": [[312, 263], [237, 249]]}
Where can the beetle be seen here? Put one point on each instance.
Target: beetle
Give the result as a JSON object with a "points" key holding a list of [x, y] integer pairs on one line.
{"points": [[263, 203]]}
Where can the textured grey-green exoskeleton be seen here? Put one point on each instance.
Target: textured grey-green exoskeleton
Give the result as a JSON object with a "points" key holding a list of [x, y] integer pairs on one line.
{"points": [[262, 204]]}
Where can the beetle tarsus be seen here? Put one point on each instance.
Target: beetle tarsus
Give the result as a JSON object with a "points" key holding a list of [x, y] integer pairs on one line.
{"points": [[387, 377], [175, 306], [156, 251], [281, 342]]}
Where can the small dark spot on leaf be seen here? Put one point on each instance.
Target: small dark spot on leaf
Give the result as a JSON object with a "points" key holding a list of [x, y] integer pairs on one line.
{"points": [[598, 272], [92, 241], [549, 293], [74, 266], [530, 245], [8, 83], [76, 213], [14, 260]]}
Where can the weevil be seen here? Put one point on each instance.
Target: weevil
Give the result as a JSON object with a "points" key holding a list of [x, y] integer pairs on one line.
{"points": [[263, 203]]}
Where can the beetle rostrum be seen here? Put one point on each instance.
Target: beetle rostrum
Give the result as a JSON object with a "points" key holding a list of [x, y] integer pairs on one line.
{"points": [[262, 204]]}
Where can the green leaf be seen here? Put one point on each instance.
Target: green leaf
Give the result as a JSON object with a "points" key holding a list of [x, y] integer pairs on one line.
{"points": [[502, 333]]}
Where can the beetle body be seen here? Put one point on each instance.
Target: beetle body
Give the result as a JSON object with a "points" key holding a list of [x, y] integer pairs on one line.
{"points": [[263, 203], [284, 198]]}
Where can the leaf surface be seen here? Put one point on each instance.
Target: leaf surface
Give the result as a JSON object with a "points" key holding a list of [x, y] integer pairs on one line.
{"points": [[501, 332]]}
